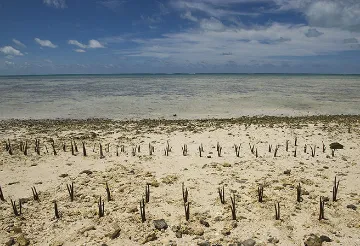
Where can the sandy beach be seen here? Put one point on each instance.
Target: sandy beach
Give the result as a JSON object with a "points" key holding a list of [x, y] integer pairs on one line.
{"points": [[127, 167]]}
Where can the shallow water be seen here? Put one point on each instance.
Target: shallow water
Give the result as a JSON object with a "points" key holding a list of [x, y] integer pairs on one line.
{"points": [[188, 96]]}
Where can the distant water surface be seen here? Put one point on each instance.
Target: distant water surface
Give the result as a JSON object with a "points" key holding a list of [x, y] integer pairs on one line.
{"points": [[188, 96]]}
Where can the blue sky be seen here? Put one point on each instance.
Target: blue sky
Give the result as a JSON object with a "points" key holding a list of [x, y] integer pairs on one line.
{"points": [[183, 36]]}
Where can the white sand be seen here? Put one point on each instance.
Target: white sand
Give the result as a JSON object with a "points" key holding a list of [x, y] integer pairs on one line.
{"points": [[127, 176]]}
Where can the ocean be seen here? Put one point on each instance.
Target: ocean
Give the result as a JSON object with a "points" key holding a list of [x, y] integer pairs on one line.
{"points": [[190, 96]]}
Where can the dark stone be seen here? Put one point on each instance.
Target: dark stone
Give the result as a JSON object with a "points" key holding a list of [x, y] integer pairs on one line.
{"points": [[325, 238], [336, 146], [287, 172], [351, 206], [313, 240], [115, 234], [88, 172], [160, 224], [10, 242], [64, 175], [249, 242], [205, 223]]}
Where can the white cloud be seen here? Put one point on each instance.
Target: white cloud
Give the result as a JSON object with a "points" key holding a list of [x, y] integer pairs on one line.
{"points": [[45, 43], [60, 4], [77, 43], [79, 50], [212, 24], [18, 43], [9, 50], [9, 63], [187, 15], [213, 39], [343, 14], [93, 44]]}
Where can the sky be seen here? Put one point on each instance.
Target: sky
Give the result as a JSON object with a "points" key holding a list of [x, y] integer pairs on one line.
{"points": [[179, 36]]}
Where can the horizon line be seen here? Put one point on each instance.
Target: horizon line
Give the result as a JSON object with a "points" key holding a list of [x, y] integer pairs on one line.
{"points": [[112, 74]]}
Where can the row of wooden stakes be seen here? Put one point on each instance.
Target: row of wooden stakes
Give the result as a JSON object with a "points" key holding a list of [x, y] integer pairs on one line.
{"points": [[186, 202], [23, 147]]}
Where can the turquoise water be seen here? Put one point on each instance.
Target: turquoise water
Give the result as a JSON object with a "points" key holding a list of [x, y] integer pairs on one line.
{"points": [[137, 96]]}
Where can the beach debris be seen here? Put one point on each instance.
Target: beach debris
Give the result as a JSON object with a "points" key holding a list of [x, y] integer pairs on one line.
{"points": [[336, 146], [75, 147], [222, 194], [187, 210], [147, 193], [313, 151], [151, 149], [15, 210], [101, 152], [298, 193], [57, 215], [160, 224], [84, 148], [218, 149], [1, 195], [52, 142], [26, 148], [185, 193], [322, 206], [35, 194], [101, 207], [260, 193], [167, 148], [37, 146], [142, 210], [70, 188], [287, 145], [201, 150], [351, 206], [184, 150], [335, 189], [204, 223], [233, 206], [251, 148], [333, 152], [72, 148], [277, 210], [108, 192], [314, 240], [276, 150], [237, 150]]}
